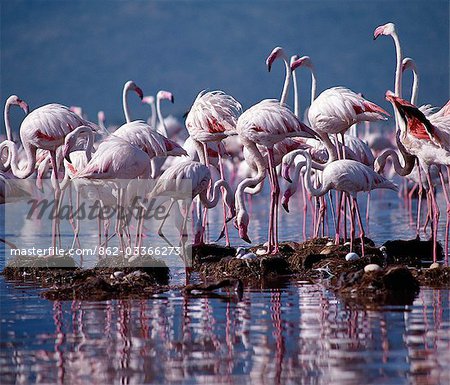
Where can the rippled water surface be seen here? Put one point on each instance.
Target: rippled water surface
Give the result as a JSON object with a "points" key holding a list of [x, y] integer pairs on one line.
{"points": [[296, 333], [292, 332]]}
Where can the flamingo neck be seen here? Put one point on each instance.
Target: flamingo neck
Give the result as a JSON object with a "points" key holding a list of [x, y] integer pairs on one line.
{"points": [[126, 110], [153, 117], [160, 117], [296, 96], [211, 203], [7, 121], [399, 169], [252, 181], [30, 152], [313, 84], [332, 152], [398, 68], [287, 81], [321, 190], [415, 86]]}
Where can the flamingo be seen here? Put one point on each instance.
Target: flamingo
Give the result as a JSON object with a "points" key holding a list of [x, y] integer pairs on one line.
{"points": [[211, 118], [297, 62], [150, 100], [408, 159], [118, 160], [348, 176], [128, 87], [429, 141], [43, 128], [171, 184]]}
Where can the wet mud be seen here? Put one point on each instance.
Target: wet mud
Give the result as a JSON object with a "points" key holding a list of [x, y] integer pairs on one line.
{"points": [[391, 274]]}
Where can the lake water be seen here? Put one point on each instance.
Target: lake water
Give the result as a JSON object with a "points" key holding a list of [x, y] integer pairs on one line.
{"points": [[81, 53], [288, 332]]}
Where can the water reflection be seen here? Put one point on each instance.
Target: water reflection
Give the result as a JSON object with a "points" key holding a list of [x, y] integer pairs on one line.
{"points": [[281, 335]]}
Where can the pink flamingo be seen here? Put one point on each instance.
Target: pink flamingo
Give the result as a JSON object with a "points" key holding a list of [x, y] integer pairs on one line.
{"points": [[429, 141], [350, 177], [408, 159], [212, 118], [129, 86], [121, 161], [43, 128], [171, 184]]}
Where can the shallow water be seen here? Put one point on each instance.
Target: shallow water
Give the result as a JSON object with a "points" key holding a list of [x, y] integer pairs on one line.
{"points": [[295, 333], [292, 332]]}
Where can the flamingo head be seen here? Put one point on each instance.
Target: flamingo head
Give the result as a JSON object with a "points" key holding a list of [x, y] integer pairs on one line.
{"points": [[276, 53], [131, 86], [165, 95], [386, 29], [101, 116], [302, 61], [241, 223], [408, 64], [77, 110], [285, 170], [14, 99], [285, 199], [148, 99]]}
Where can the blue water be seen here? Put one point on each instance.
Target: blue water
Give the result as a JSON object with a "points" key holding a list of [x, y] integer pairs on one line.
{"points": [[82, 52]]}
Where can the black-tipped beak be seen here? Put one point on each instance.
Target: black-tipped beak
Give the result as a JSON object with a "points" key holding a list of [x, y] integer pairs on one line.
{"points": [[246, 239], [285, 206], [172, 99], [67, 157], [288, 178], [269, 67], [222, 234]]}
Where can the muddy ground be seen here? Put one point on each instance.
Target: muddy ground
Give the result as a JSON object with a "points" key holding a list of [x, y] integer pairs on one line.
{"points": [[401, 268]]}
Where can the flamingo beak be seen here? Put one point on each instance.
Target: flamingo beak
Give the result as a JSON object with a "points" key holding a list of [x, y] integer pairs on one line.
{"points": [[378, 31], [285, 201], [285, 173], [24, 106], [246, 239], [139, 92], [66, 154], [172, 99]]}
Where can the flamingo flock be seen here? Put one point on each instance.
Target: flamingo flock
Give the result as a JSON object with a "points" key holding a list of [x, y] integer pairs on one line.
{"points": [[227, 152]]}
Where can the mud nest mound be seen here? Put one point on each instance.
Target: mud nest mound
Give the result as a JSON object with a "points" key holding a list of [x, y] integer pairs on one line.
{"points": [[113, 278]]}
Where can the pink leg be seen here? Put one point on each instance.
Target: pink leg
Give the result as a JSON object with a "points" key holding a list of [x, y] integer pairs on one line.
{"points": [[447, 223], [224, 209], [352, 224], [275, 194], [338, 218], [361, 228], [435, 215]]}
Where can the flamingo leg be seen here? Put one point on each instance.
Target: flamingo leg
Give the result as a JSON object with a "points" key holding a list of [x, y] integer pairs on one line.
{"points": [[435, 215], [275, 195], [160, 233], [447, 223], [360, 224], [338, 219], [224, 208], [352, 225], [57, 195]]}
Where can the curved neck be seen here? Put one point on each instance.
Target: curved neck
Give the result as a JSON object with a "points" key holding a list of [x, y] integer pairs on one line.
{"points": [[30, 152], [287, 81], [399, 169], [126, 110], [90, 139], [211, 203], [160, 117], [332, 152], [7, 122], [312, 190], [415, 86], [252, 181]]}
